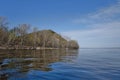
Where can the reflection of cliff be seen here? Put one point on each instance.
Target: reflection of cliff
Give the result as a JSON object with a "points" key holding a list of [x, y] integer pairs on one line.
{"points": [[26, 60]]}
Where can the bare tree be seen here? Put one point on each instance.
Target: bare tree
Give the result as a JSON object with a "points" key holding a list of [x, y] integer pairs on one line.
{"points": [[35, 35], [23, 30], [13, 34], [44, 38], [3, 30]]}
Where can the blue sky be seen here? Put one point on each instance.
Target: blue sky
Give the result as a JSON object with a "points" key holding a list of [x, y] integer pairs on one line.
{"points": [[93, 23]]}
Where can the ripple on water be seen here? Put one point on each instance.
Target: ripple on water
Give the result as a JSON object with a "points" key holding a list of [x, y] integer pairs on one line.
{"points": [[86, 64]]}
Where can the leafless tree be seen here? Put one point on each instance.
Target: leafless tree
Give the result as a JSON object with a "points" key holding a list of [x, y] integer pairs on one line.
{"points": [[3, 30], [35, 29], [23, 30]]}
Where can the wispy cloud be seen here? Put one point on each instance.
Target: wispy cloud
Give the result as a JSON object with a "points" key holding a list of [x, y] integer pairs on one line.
{"points": [[103, 28], [107, 14]]}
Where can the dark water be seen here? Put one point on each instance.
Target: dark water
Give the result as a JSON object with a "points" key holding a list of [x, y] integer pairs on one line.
{"points": [[83, 64]]}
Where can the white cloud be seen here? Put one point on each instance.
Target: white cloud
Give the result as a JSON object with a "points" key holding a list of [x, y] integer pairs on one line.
{"points": [[100, 30], [101, 16], [103, 28], [105, 36]]}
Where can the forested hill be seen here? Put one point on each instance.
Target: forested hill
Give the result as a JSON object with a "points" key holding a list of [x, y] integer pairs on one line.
{"points": [[21, 37], [42, 39], [49, 38]]}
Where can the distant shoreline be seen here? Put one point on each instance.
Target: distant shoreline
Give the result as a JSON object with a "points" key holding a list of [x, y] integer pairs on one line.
{"points": [[103, 48]]}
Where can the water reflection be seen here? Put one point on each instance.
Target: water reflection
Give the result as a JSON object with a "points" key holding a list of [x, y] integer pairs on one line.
{"points": [[22, 61]]}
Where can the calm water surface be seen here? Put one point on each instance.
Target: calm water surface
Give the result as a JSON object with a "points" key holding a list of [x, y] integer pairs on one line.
{"points": [[83, 64]]}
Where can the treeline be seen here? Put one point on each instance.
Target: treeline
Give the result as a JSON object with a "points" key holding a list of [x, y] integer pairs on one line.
{"points": [[23, 37]]}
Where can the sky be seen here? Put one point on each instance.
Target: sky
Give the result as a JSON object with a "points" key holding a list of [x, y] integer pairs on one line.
{"points": [[93, 23]]}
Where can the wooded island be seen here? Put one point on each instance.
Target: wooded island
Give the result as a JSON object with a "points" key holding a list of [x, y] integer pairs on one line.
{"points": [[22, 37]]}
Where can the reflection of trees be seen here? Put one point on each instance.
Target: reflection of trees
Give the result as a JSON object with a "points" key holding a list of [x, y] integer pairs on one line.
{"points": [[25, 60]]}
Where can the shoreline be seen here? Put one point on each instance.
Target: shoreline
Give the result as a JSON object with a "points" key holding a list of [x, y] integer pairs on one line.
{"points": [[29, 48]]}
